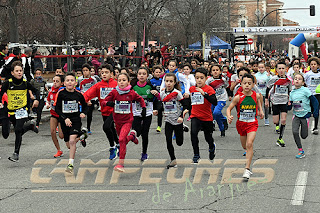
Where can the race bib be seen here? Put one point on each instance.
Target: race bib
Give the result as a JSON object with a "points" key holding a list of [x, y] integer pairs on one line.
{"points": [[158, 88], [315, 82], [52, 105], [262, 85], [247, 115], [281, 90], [197, 98], [70, 106], [85, 87], [297, 106], [104, 92], [170, 107], [219, 91], [122, 107], [21, 113]]}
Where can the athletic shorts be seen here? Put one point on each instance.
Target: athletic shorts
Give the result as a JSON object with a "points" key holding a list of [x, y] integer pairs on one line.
{"points": [[277, 109], [75, 129], [53, 116], [244, 128]]}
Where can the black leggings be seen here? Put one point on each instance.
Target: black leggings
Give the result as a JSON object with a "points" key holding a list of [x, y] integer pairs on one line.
{"points": [[316, 120], [196, 126], [108, 128], [142, 127], [178, 131], [160, 116], [5, 127], [38, 110], [89, 114]]}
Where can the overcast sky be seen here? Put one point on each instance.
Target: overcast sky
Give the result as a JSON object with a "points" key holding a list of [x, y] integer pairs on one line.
{"points": [[302, 16]]}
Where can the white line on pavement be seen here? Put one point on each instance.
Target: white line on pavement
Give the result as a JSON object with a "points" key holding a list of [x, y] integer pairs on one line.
{"points": [[300, 188], [96, 153]]}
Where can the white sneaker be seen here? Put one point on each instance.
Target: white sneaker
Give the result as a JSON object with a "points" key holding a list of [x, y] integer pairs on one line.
{"points": [[315, 131], [247, 173]]}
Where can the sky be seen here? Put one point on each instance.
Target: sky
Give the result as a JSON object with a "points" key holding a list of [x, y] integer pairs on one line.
{"points": [[302, 16]]}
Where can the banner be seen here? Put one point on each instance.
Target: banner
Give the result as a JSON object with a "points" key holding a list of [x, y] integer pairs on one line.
{"points": [[276, 30]]}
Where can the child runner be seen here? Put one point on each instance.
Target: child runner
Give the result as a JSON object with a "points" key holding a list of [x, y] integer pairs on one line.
{"points": [[122, 98], [86, 83], [172, 100], [68, 108], [262, 79], [142, 124], [17, 89], [279, 87], [248, 104], [295, 70], [102, 90], [312, 79], [301, 99], [54, 120], [202, 97]]}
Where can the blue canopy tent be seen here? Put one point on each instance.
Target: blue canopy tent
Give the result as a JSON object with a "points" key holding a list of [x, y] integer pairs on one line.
{"points": [[215, 43], [195, 46]]}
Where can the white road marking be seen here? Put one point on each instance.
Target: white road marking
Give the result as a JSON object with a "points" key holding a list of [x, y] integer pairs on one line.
{"points": [[300, 188]]}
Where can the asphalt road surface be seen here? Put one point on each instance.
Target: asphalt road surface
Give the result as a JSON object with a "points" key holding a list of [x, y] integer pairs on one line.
{"points": [[280, 182]]}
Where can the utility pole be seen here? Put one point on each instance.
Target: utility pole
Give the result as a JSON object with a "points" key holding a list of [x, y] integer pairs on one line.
{"points": [[258, 23], [229, 29]]}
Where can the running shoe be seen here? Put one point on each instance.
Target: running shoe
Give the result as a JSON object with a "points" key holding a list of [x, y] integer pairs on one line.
{"points": [[247, 174], [14, 157], [84, 133], [59, 154], [280, 142], [113, 153], [134, 138], [89, 133], [174, 137], [195, 159], [189, 119], [172, 164], [158, 129], [212, 152], [144, 156], [245, 153], [57, 130], [223, 133], [118, 147], [83, 142], [185, 128], [300, 155], [278, 129], [315, 131], [119, 168], [69, 169], [225, 124], [266, 122], [99, 109]]}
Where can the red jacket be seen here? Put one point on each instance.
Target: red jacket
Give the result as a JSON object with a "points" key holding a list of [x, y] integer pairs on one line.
{"points": [[130, 96], [51, 99], [101, 90]]}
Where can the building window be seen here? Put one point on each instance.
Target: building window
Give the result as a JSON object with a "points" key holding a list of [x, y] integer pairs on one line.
{"points": [[243, 23]]}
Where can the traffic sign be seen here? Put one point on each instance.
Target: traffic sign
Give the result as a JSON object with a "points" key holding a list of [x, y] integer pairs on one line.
{"points": [[250, 41]]}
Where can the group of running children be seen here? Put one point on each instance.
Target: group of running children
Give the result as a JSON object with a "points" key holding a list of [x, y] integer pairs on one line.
{"points": [[127, 105]]}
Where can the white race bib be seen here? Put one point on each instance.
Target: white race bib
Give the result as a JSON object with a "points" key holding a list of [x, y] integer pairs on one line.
{"points": [[262, 84], [247, 115], [70, 106], [197, 98], [281, 90], [87, 86], [52, 104], [104, 92], [170, 107], [315, 82], [219, 91], [21, 113], [122, 107], [297, 106]]}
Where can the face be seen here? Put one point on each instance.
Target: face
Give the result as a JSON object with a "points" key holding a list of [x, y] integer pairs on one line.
{"points": [[105, 74], [261, 68], [314, 66], [186, 70], [249, 66], [298, 81], [116, 73], [241, 73], [296, 68], [194, 64], [123, 81], [170, 82], [281, 69], [238, 65], [56, 82], [59, 72], [286, 61], [38, 73], [92, 72], [268, 69], [157, 73], [6, 50], [142, 75], [79, 73], [17, 72], [70, 82], [273, 63], [255, 67], [86, 72], [227, 63], [247, 84], [215, 71], [200, 79], [172, 66], [206, 65], [225, 69]]}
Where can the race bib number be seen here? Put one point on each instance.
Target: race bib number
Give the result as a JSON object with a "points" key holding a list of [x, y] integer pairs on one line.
{"points": [[21, 113], [281, 90], [315, 82], [85, 87], [219, 91], [122, 107], [70, 106], [104, 92], [247, 115], [262, 85], [170, 107], [297, 106], [197, 98]]}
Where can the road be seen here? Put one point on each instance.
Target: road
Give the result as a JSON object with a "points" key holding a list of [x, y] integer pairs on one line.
{"points": [[280, 182]]}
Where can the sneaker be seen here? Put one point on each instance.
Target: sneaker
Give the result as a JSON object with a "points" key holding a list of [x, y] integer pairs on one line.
{"points": [[278, 129], [189, 119], [174, 137], [212, 152], [99, 109], [245, 153], [315, 131], [225, 124], [246, 174], [113, 153], [34, 126], [84, 133], [223, 133], [118, 147], [281, 143], [69, 169], [57, 130], [134, 136], [214, 126], [89, 133], [14, 157], [266, 122], [158, 129], [119, 168], [172, 164], [185, 128], [300, 155], [83, 142], [144, 157], [195, 159], [59, 154]]}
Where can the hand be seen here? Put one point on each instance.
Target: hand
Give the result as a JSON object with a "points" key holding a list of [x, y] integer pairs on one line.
{"points": [[35, 103], [200, 90], [68, 122], [186, 95], [47, 106], [144, 112], [261, 114], [82, 115], [155, 112], [230, 119], [266, 103], [1, 105], [162, 89], [185, 112], [154, 92], [89, 103], [180, 120], [289, 103]]}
